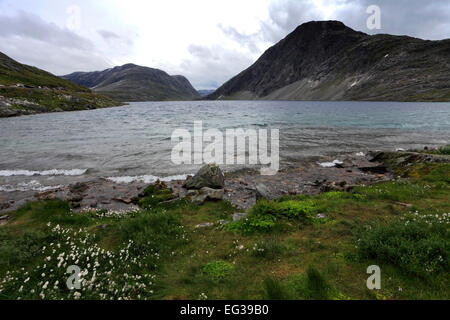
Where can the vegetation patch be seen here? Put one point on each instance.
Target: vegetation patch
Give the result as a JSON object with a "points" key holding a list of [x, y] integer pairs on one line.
{"points": [[417, 244], [217, 270], [155, 194]]}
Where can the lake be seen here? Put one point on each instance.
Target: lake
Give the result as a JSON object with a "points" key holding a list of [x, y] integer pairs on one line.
{"points": [[133, 142]]}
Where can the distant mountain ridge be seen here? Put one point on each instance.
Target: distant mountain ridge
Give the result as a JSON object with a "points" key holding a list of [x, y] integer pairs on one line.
{"points": [[28, 90], [326, 60], [131, 82]]}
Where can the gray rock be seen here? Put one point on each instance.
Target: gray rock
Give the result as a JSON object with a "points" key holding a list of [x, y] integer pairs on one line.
{"points": [[210, 176], [262, 192], [207, 194], [204, 225], [212, 194], [239, 216], [199, 199], [191, 193]]}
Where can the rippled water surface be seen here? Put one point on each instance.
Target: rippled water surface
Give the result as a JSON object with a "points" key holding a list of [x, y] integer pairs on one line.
{"points": [[134, 141]]}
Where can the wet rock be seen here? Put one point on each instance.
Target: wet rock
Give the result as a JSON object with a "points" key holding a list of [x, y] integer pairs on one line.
{"points": [[47, 195], [75, 198], [210, 176], [78, 187], [239, 216]]}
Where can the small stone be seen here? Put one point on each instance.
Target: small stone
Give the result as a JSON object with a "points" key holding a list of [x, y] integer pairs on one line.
{"points": [[204, 225], [239, 216], [124, 200], [262, 192]]}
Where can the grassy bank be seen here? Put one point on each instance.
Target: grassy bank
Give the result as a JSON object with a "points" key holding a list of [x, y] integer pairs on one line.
{"points": [[297, 247]]}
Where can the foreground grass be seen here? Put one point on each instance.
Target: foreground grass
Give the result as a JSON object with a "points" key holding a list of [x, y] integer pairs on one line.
{"points": [[295, 248]]}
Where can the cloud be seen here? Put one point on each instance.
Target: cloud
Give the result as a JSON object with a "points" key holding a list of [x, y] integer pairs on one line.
{"points": [[31, 26], [108, 35], [207, 41], [31, 40], [209, 67]]}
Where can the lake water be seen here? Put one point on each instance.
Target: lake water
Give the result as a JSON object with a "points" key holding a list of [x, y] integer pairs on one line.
{"points": [[133, 142]]}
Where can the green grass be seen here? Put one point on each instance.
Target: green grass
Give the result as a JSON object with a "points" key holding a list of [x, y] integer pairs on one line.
{"points": [[283, 251], [46, 89]]}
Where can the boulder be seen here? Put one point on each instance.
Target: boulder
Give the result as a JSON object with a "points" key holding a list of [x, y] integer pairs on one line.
{"points": [[209, 176]]}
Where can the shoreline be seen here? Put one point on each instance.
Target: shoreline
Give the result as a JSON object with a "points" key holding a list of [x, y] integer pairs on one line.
{"points": [[240, 186]]}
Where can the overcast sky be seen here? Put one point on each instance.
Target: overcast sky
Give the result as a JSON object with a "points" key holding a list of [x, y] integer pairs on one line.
{"points": [[208, 41]]}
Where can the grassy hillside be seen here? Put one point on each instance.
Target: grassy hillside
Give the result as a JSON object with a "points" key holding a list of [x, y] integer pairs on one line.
{"points": [[282, 251], [27, 90]]}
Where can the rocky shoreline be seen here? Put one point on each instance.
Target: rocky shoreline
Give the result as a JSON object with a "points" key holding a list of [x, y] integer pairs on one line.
{"points": [[241, 188]]}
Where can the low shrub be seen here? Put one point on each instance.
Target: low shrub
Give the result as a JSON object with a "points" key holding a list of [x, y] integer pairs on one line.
{"points": [[264, 215], [22, 249], [317, 287], [153, 232], [217, 270], [274, 290], [417, 244], [269, 249]]}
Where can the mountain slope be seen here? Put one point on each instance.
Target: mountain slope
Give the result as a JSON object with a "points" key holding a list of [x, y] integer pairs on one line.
{"points": [[135, 83], [326, 60], [28, 90]]}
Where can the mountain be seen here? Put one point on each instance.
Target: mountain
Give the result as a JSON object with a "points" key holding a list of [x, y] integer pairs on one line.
{"points": [[28, 90], [204, 93], [135, 83], [326, 60]]}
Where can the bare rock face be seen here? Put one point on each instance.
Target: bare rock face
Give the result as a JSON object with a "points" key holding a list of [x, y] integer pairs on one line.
{"points": [[210, 176], [326, 60]]}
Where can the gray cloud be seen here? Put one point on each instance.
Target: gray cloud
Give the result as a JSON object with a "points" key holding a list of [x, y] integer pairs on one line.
{"points": [[31, 40], [210, 67], [31, 26], [417, 18], [108, 35]]}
